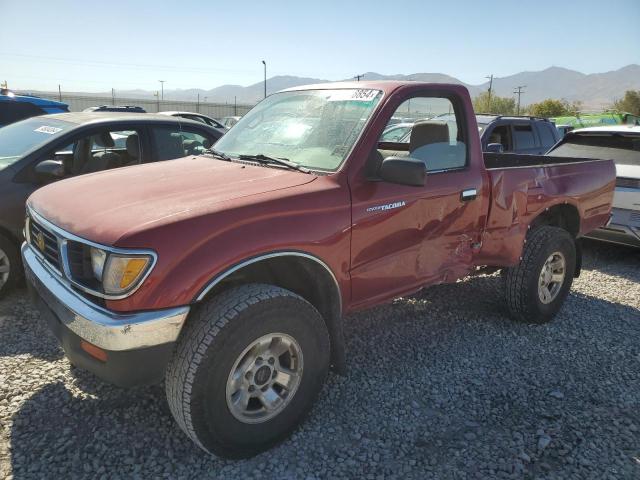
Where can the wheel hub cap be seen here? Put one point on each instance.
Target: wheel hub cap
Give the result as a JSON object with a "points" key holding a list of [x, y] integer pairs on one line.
{"points": [[262, 375], [551, 277], [264, 378]]}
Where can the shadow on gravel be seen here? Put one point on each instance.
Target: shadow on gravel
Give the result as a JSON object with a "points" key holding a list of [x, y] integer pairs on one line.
{"points": [[453, 366], [617, 260], [129, 431], [23, 331]]}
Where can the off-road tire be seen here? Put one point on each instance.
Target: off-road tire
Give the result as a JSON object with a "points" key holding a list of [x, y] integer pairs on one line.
{"points": [[521, 281], [215, 334], [10, 251]]}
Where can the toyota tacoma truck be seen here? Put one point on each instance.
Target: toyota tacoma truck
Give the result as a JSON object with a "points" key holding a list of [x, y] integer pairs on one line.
{"points": [[226, 275]]}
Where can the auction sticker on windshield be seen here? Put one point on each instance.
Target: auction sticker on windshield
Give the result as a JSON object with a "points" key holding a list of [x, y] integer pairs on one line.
{"points": [[48, 130], [360, 95]]}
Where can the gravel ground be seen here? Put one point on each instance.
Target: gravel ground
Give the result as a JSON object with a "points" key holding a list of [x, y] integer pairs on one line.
{"points": [[441, 385]]}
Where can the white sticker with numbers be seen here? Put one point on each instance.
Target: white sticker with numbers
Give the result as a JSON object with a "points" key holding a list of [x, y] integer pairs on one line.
{"points": [[47, 129], [360, 95]]}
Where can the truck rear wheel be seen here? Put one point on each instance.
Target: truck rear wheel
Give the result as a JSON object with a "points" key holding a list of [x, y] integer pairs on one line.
{"points": [[537, 287], [247, 369]]}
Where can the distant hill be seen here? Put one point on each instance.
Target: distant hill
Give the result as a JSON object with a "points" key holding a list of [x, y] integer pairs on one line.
{"points": [[596, 91]]}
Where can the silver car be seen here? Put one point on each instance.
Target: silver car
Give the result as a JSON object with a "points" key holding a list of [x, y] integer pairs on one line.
{"points": [[620, 143]]}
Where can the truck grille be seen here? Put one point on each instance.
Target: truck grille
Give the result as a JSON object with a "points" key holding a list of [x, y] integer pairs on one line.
{"points": [[45, 242]]}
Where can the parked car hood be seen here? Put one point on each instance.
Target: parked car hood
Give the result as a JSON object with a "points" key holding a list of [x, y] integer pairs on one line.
{"points": [[104, 207]]}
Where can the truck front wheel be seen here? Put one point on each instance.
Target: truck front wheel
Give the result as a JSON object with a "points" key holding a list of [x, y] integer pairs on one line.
{"points": [[537, 287], [247, 369]]}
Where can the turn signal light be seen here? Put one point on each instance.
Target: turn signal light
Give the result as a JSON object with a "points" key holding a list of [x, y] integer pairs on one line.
{"points": [[95, 352]]}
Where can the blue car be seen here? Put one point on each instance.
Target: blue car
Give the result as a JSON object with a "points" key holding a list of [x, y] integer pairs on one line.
{"points": [[15, 107]]}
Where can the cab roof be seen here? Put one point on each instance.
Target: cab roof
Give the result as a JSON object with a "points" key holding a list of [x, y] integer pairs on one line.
{"points": [[387, 86]]}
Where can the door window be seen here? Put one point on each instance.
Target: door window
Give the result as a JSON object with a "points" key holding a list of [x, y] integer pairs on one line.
{"points": [[99, 151], [523, 135], [502, 135], [433, 134], [173, 142], [194, 143], [546, 135]]}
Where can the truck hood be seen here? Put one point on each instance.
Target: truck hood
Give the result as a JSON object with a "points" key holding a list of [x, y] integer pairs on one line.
{"points": [[106, 206]]}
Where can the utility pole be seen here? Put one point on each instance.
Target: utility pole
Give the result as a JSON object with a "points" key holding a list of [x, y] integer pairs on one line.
{"points": [[113, 96], [59, 92], [490, 88], [265, 78], [162, 88], [198, 104], [358, 77], [235, 105], [519, 92], [157, 95]]}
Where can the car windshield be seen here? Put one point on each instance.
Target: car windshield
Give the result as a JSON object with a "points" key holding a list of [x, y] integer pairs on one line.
{"points": [[21, 137], [623, 149], [313, 128]]}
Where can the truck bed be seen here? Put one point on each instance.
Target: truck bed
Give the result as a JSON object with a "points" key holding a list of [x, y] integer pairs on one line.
{"points": [[525, 187], [517, 160]]}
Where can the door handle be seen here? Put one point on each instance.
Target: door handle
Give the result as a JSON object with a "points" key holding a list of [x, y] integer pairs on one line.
{"points": [[469, 194]]}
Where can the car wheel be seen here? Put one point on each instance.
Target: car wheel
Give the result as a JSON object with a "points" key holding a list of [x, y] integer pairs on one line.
{"points": [[247, 369], [10, 271], [537, 287]]}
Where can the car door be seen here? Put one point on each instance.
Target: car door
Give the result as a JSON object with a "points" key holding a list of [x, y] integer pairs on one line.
{"points": [[403, 236]]}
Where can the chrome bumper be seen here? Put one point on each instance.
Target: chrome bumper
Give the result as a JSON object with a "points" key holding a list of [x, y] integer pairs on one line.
{"points": [[99, 326], [623, 228]]}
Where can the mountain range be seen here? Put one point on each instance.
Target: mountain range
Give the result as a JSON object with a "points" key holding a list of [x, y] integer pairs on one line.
{"points": [[595, 91]]}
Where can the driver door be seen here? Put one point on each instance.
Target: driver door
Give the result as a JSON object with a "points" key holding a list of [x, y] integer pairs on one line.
{"points": [[405, 237]]}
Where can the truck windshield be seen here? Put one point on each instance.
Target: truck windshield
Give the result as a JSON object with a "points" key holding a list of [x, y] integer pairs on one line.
{"points": [[622, 149], [313, 128], [21, 137]]}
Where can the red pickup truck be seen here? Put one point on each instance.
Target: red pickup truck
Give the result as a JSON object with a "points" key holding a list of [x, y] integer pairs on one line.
{"points": [[228, 274]]}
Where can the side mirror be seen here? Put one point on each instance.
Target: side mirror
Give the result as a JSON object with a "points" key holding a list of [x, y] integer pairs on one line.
{"points": [[49, 170], [405, 171], [495, 148]]}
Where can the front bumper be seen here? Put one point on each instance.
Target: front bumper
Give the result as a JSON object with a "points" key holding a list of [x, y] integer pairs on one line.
{"points": [[623, 228], [138, 345]]}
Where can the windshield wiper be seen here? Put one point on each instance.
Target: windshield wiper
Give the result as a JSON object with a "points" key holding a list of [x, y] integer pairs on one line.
{"points": [[275, 160], [218, 154]]}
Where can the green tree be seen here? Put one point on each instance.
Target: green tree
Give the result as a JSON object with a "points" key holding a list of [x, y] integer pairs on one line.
{"points": [[498, 105], [551, 108], [629, 103]]}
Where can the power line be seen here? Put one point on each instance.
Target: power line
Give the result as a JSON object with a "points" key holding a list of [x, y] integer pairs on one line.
{"points": [[95, 63]]}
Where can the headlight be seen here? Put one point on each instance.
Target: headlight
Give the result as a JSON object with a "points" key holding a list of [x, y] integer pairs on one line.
{"points": [[118, 273]]}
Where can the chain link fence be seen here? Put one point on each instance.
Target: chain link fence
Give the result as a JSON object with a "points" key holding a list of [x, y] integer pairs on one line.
{"points": [[77, 103]]}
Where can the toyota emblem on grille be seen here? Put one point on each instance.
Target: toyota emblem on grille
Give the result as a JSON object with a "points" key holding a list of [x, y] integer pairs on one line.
{"points": [[39, 238]]}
